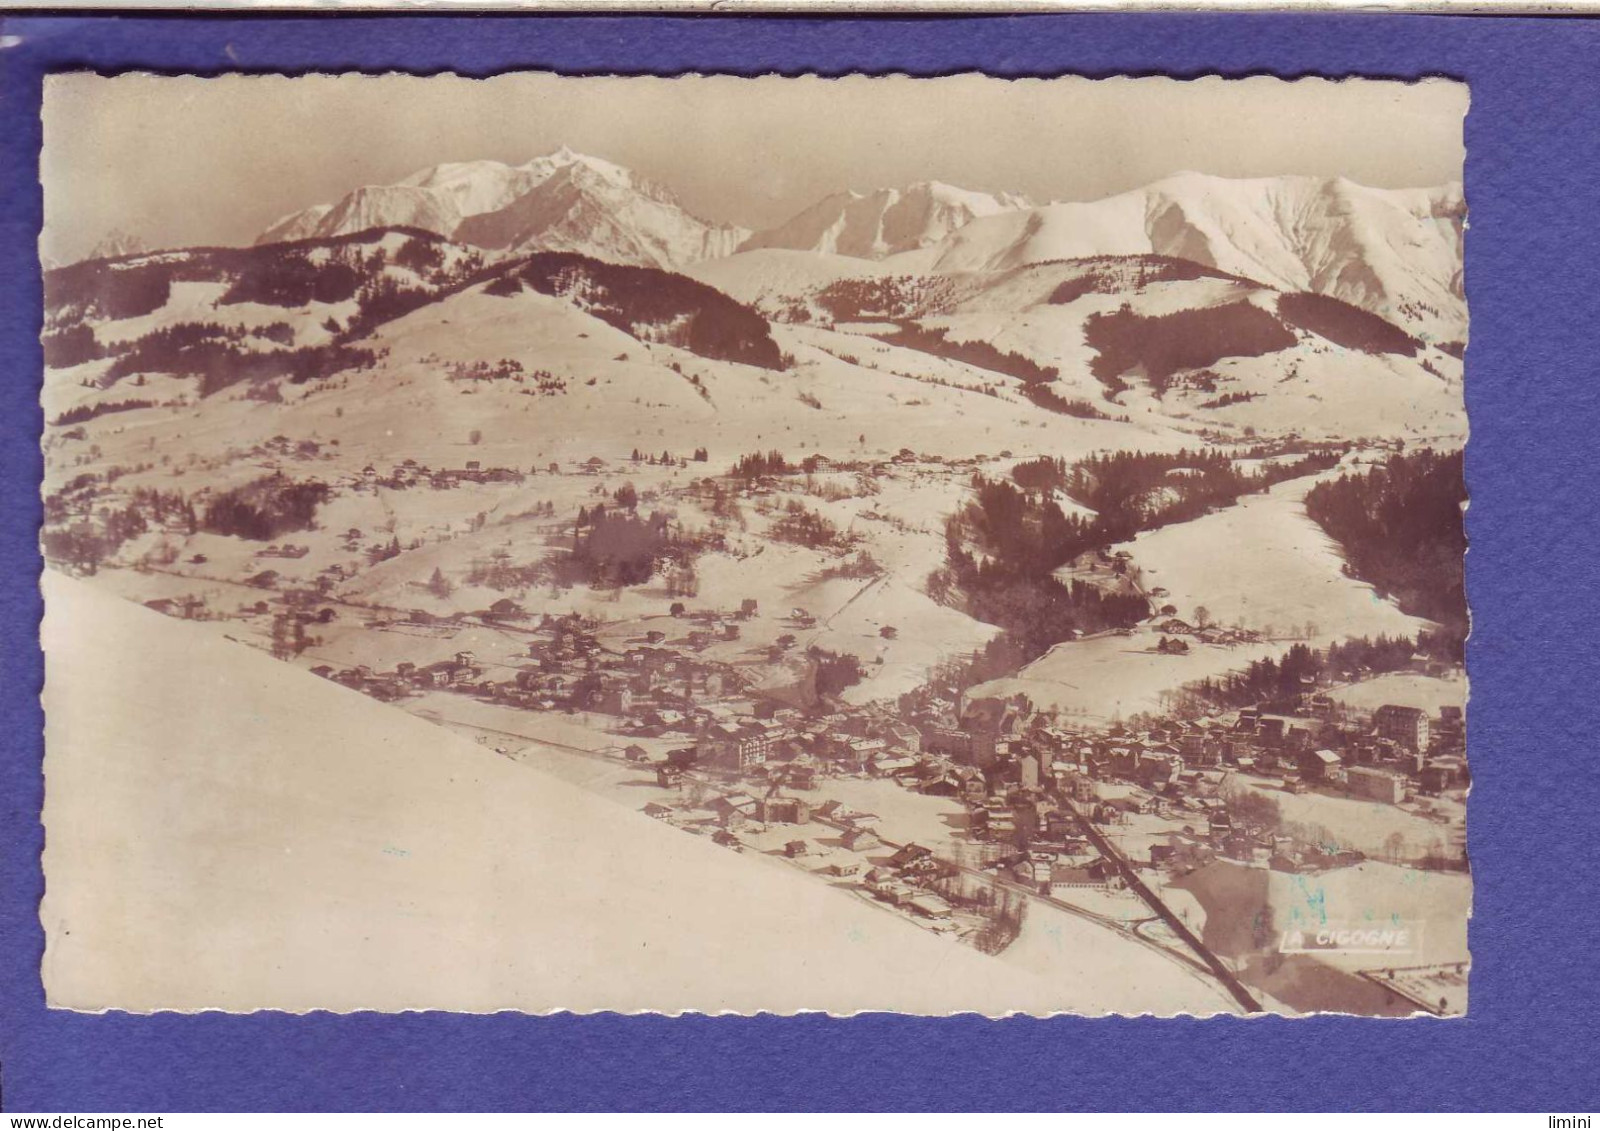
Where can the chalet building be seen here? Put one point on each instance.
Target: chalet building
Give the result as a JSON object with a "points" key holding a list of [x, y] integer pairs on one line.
{"points": [[783, 811], [1318, 765], [1376, 784], [895, 766], [1435, 778], [505, 608], [998, 822], [902, 735], [1060, 826], [1405, 725], [1159, 768], [450, 673], [1065, 877], [929, 906], [910, 855], [949, 742], [669, 776], [861, 840], [736, 747], [734, 810], [862, 752]]}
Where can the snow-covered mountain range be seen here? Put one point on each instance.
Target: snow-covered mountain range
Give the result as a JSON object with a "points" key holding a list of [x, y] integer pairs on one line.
{"points": [[1282, 305], [1394, 252]]}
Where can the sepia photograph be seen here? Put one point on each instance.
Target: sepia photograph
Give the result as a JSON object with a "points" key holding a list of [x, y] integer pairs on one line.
{"points": [[733, 545]]}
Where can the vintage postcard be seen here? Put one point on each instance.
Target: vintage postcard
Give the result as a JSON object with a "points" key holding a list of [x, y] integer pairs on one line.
{"points": [[754, 544]]}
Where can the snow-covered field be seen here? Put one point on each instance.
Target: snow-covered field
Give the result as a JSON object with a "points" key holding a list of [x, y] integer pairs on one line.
{"points": [[903, 816], [1408, 689], [1264, 564], [1365, 826], [1062, 947], [1109, 677]]}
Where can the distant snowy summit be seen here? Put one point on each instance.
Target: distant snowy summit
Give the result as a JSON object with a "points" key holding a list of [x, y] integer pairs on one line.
{"points": [[562, 201], [886, 222], [115, 244]]}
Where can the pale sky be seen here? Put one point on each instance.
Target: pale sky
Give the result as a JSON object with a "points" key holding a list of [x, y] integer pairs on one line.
{"points": [[189, 161]]}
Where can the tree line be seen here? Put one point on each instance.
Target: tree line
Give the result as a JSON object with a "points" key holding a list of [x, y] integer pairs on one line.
{"points": [[1269, 681], [1002, 549], [1401, 527]]}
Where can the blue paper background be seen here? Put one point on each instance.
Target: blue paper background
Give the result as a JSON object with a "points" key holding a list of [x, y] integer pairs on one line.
{"points": [[1529, 1043]]}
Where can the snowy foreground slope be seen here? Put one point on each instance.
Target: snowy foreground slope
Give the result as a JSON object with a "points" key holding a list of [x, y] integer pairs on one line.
{"points": [[333, 853]]}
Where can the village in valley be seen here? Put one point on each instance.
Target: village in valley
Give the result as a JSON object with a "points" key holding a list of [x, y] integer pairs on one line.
{"points": [[1092, 603], [929, 790]]}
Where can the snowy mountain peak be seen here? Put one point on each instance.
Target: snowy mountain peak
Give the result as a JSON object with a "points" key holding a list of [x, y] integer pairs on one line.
{"points": [[884, 222], [602, 210], [118, 243], [563, 200]]}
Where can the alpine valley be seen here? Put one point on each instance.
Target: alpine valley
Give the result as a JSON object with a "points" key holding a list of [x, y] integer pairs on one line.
{"points": [[1004, 524]]}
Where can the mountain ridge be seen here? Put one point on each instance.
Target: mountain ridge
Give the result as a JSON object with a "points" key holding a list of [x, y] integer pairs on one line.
{"points": [[885, 221], [1394, 252]]}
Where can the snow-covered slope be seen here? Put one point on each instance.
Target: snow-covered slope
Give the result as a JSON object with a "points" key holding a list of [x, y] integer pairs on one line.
{"points": [[381, 206], [881, 223], [562, 201], [1309, 383], [1395, 252], [335, 853], [772, 278]]}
